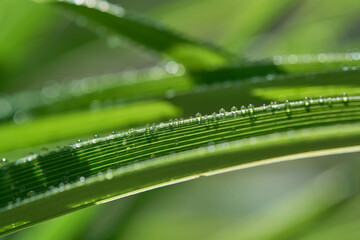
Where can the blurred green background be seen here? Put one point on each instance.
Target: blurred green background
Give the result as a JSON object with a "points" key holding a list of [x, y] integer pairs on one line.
{"points": [[293, 200]]}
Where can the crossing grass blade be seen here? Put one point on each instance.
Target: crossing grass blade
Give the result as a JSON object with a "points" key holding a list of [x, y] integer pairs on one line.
{"points": [[150, 35]]}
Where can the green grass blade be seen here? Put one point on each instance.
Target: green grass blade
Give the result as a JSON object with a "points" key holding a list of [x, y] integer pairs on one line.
{"points": [[103, 169], [118, 20], [66, 126]]}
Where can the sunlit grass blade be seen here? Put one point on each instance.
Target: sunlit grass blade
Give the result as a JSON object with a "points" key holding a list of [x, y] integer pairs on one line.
{"points": [[103, 169], [66, 126]]}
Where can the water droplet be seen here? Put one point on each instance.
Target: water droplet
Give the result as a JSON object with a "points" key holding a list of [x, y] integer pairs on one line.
{"points": [[191, 119], [329, 102], [3, 161], [198, 118], [61, 187], [307, 104], [288, 108], [103, 6], [10, 205], [79, 2], [207, 120], [109, 174], [264, 107], [172, 67], [243, 110], [171, 124], [90, 3], [176, 122], [251, 111], [44, 151], [155, 129], [234, 111], [100, 175], [321, 100], [21, 117], [82, 179], [31, 194], [274, 106], [345, 98], [96, 136], [270, 77], [147, 130], [79, 140], [170, 93], [292, 59], [214, 118], [222, 112]]}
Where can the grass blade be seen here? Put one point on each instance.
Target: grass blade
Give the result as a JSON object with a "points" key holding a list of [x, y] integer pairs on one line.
{"points": [[104, 169], [118, 20]]}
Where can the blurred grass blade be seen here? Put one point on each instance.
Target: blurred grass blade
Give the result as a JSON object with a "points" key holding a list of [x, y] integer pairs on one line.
{"points": [[261, 13], [141, 31], [157, 82], [102, 169], [306, 29], [88, 101]]}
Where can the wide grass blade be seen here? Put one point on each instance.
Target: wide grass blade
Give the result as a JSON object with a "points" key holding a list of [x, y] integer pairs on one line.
{"points": [[103, 169]]}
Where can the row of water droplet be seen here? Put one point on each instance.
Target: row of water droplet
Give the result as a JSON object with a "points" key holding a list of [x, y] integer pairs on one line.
{"points": [[317, 58], [149, 134]]}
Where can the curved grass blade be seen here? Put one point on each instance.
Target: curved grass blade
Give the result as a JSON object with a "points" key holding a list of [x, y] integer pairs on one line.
{"points": [[105, 169], [150, 35]]}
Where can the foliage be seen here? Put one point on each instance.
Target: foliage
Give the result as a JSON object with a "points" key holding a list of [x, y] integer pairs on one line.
{"points": [[313, 114]]}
